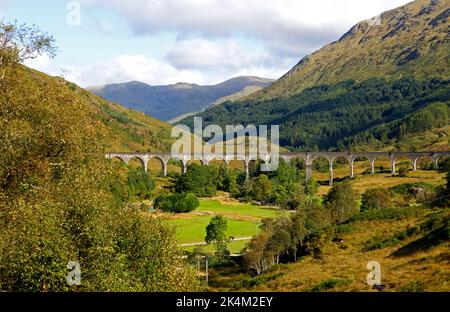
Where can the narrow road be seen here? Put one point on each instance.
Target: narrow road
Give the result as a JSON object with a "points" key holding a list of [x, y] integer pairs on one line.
{"points": [[204, 243]]}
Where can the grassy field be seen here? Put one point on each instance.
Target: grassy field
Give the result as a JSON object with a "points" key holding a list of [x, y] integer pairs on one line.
{"points": [[243, 221], [236, 210], [364, 181], [191, 230], [234, 247]]}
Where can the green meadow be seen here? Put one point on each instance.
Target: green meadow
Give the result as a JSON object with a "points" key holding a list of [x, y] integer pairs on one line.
{"points": [[243, 221], [238, 209]]}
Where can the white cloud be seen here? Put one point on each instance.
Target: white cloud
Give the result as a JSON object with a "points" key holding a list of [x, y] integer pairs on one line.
{"points": [[115, 70], [206, 54], [207, 50], [290, 27], [155, 72], [45, 64]]}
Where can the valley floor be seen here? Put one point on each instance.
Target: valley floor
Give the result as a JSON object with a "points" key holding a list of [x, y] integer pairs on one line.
{"points": [[243, 222], [244, 219], [343, 264]]}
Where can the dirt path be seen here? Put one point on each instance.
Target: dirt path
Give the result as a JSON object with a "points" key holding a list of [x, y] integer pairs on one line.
{"points": [[204, 243]]}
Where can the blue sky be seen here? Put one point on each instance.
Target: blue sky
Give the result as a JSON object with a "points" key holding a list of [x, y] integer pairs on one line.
{"points": [[197, 41]]}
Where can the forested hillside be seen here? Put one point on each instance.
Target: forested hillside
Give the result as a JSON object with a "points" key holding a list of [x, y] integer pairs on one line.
{"points": [[348, 114]]}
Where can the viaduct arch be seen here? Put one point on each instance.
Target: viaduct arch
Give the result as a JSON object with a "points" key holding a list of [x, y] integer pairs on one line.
{"points": [[308, 157]]}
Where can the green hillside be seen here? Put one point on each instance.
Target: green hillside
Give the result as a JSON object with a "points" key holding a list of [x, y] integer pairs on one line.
{"points": [[127, 130], [378, 87], [131, 131]]}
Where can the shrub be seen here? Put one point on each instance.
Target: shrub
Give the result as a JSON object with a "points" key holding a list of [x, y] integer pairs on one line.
{"points": [[380, 242], [403, 172], [178, 203], [414, 286], [387, 214], [445, 165], [377, 198], [330, 284], [409, 188], [426, 164], [434, 221], [444, 193], [311, 187], [343, 228], [292, 204], [420, 191], [251, 282]]}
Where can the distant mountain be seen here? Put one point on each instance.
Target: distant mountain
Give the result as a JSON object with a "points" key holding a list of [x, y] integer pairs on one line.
{"points": [[232, 97], [382, 84], [167, 102]]}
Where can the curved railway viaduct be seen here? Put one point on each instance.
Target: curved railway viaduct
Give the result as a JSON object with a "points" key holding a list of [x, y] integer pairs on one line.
{"points": [[308, 158]]}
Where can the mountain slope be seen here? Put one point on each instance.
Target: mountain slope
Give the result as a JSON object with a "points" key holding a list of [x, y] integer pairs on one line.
{"points": [[167, 102], [130, 131], [238, 95], [232, 97], [127, 130], [376, 87], [409, 40]]}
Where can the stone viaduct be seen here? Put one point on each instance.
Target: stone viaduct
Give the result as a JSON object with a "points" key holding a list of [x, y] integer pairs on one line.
{"points": [[308, 158]]}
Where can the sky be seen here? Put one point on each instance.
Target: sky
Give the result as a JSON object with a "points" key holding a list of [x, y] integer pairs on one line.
{"points": [[196, 41]]}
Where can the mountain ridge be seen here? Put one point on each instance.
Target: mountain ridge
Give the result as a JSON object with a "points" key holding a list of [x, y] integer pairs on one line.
{"points": [[166, 102]]}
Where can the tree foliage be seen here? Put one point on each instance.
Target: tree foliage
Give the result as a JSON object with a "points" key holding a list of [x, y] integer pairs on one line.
{"points": [[200, 180], [286, 236], [342, 203], [57, 202], [19, 42], [216, 233], [139, 183]]}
